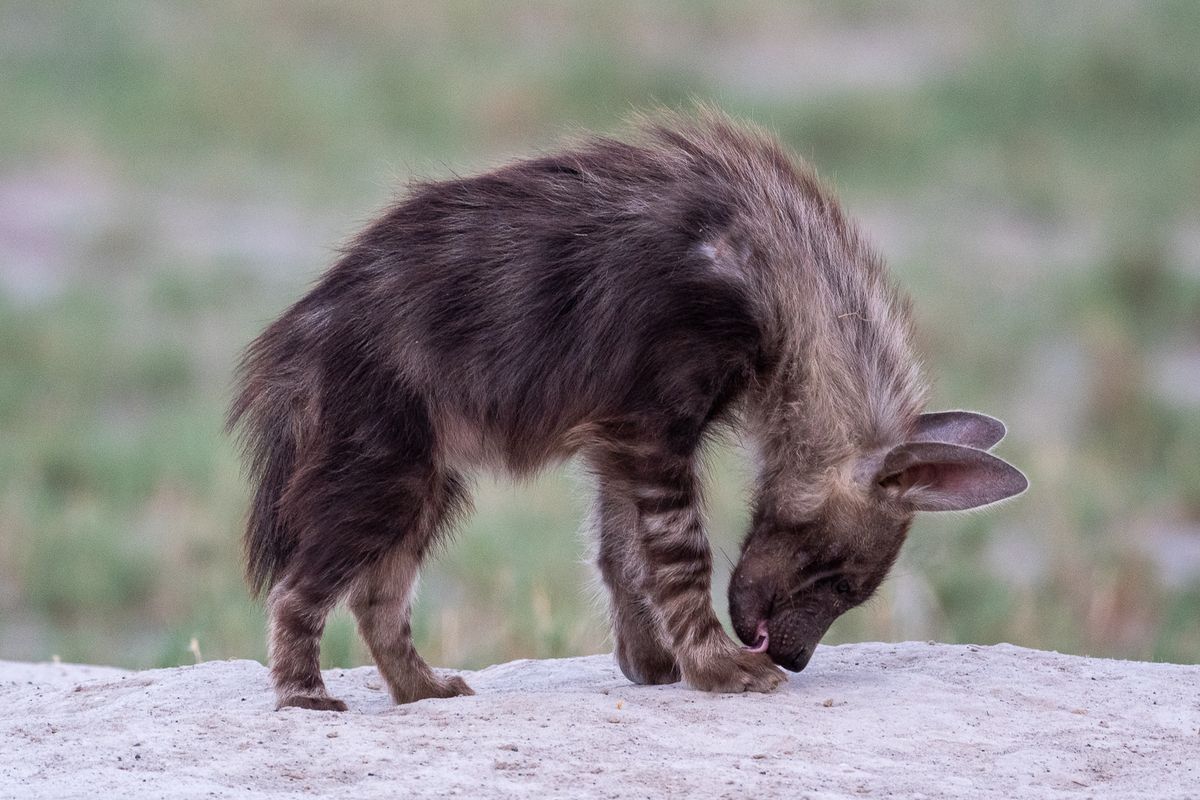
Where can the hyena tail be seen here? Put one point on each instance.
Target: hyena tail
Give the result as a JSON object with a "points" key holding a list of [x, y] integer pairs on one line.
{"points": [[267, 416]]}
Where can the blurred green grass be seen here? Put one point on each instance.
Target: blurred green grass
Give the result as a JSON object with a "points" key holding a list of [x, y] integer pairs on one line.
{"points": [[172, 176]]}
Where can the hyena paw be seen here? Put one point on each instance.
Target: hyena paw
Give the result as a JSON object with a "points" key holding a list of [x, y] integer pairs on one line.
{"points": [[646, 661], [738, 671], [312, 702], [437, 688], [452, 686]]}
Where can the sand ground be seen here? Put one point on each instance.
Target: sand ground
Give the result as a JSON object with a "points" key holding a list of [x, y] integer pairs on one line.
{"points": [[869, 720]]}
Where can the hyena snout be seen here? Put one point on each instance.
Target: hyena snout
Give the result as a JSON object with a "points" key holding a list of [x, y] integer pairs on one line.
{"points": [[766, 621], [793, 636]]}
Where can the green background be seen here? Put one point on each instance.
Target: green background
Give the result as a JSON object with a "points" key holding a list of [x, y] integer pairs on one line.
{"points": [[172, 175]]}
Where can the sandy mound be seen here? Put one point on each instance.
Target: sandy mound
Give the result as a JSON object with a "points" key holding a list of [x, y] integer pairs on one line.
{"points": [[912, 720]]}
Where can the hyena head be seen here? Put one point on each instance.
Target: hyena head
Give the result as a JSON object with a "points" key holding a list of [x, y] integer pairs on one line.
{"points": [[804, 564]]}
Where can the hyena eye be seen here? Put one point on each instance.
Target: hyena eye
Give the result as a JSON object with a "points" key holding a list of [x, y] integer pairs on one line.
{"points": [[842, 586]]}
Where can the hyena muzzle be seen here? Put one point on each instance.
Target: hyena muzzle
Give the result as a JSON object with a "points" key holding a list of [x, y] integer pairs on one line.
{"points": [[620, 301]]}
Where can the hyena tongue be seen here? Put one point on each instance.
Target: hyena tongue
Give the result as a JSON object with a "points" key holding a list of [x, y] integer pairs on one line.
{"points": [[761, 639]]}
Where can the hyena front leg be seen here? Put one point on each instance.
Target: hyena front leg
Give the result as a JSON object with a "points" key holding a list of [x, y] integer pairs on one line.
{"points": [[641, 651], [677, 563], [382, 602]]}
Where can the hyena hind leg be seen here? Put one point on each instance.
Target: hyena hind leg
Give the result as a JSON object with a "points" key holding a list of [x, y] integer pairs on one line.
{"points": [[381, 601], [297, 616], [641, 651]]}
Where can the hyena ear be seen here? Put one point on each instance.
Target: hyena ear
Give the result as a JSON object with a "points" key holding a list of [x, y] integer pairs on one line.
{"points": [[937, 476], [967, 428]]}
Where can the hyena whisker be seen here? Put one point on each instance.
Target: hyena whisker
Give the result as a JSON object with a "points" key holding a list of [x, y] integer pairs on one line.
{"points": [[725, 555]]}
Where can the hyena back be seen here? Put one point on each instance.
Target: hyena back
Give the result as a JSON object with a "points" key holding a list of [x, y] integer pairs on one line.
{"points": [[619, 301]]}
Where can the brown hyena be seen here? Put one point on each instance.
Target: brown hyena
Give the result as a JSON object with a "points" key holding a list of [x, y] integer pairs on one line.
{"points": [[620, 301]]}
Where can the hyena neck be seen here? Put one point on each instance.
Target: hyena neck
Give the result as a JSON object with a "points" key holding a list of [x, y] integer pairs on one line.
{"points": [[846, 383]]}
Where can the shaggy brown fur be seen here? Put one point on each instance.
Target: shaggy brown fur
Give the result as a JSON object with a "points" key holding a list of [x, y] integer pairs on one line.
{"points": [[618, 300]]}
